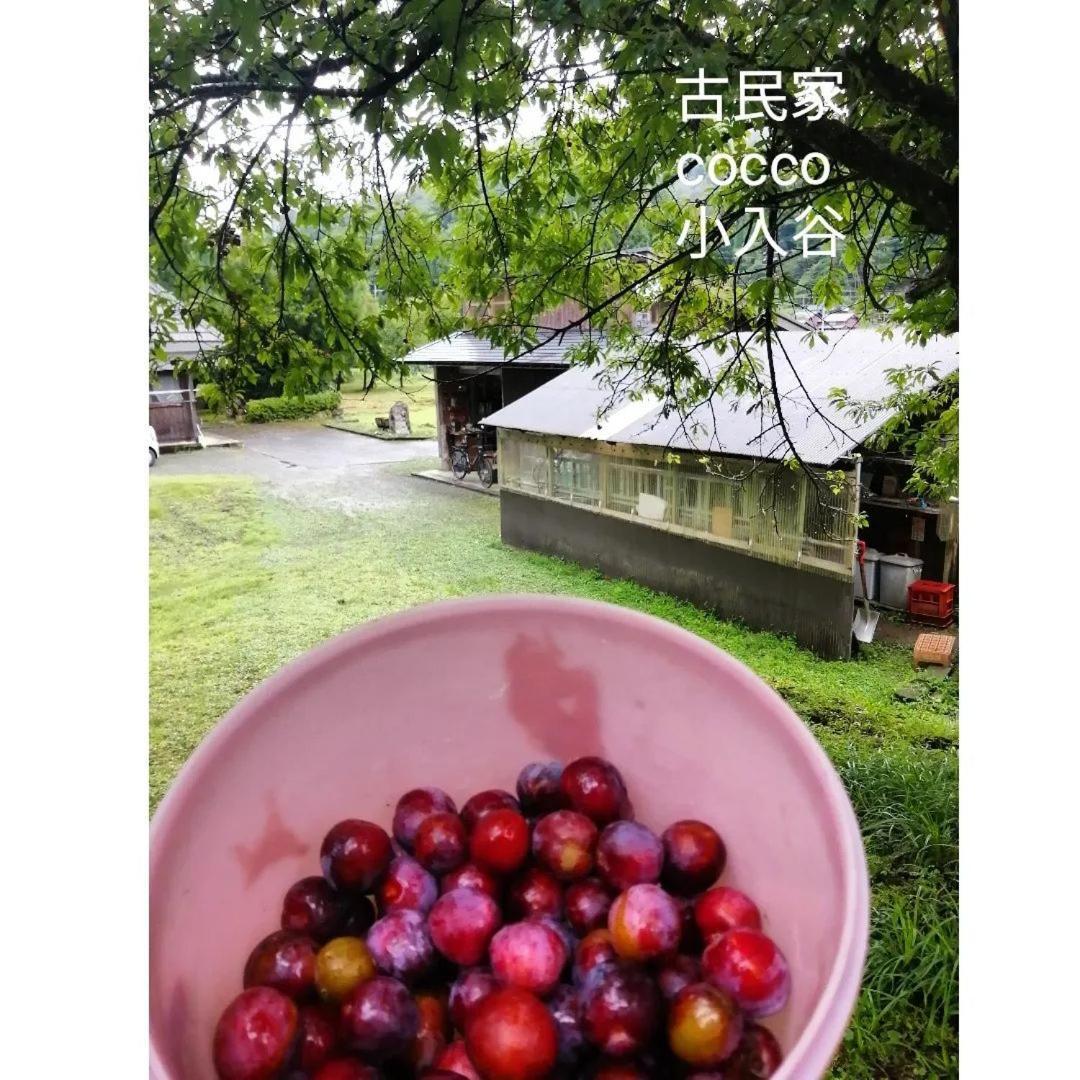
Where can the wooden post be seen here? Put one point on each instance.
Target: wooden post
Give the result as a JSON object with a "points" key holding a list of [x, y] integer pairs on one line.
{"points": [[949, 522], [800, 514], [950, 555]]}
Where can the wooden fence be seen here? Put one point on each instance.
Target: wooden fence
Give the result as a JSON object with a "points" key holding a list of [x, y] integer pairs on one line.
{"points": [[173, 417]]}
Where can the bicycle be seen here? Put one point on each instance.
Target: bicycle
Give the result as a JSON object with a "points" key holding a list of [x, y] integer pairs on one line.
{"points": [[462, 463]]}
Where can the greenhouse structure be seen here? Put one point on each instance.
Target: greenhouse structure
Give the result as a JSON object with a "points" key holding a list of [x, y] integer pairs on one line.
{"points": [[707, 505]]}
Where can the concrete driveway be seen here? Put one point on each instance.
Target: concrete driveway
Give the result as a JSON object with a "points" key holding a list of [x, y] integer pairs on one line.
{"points": [[311, 464]]}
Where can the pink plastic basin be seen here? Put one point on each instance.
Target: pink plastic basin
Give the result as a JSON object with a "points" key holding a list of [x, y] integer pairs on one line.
{"points": [[461, 694]]}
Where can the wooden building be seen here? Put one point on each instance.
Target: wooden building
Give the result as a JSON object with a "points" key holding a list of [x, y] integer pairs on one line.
{"points": [[474, 378], [173, 413]]}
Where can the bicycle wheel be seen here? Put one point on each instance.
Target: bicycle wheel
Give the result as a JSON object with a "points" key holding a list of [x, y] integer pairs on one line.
{"points": [[459, 463], [485, 471]]}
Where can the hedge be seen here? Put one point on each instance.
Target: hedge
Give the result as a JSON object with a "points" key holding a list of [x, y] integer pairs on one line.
{"points": [[265, 410]]}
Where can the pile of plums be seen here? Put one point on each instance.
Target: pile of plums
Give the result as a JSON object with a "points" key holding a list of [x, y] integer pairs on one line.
{"points": [[543, 935]]}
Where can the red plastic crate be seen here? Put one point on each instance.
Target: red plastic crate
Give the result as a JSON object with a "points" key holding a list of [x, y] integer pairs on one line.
{"points": [[931, 602]]}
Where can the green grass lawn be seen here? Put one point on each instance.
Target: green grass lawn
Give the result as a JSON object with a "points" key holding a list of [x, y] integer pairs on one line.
{"points": [[417, 390], [242, 582]]}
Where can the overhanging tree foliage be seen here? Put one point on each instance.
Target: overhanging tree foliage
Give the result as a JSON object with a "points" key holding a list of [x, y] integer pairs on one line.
{"points": [[545, 135]]}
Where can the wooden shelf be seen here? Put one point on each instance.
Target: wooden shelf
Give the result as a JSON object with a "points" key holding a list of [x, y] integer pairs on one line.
{"points": [[898, 504]]}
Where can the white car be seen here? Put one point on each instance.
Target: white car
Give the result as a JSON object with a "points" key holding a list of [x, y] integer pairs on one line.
{"points": [[154, 450]]}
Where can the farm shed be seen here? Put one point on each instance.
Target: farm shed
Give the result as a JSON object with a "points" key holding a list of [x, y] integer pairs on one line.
{"points": [[473, 378], [702, 505], [173, 414]]}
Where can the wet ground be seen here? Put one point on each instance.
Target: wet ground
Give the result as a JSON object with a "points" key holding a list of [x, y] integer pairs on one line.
{"points": [[311, 464]]}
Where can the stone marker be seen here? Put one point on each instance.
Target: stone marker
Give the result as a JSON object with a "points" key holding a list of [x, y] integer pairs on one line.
{"points": [[909, 693], [399, 419]]}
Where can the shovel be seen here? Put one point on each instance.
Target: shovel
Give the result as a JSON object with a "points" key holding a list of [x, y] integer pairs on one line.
{"points": [[866, 621]]}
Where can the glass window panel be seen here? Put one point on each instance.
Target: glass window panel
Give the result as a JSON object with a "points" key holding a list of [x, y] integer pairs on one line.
{"points": [[776, 512], [576, 477]]}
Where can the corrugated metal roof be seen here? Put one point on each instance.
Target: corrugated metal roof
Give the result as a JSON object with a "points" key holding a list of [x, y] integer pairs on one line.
{"points": [[186, 341], [190, 341], [580, 402], [465, 347]]}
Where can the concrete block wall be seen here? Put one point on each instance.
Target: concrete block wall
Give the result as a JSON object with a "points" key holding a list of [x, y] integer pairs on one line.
{"points": [[815, 608]]}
